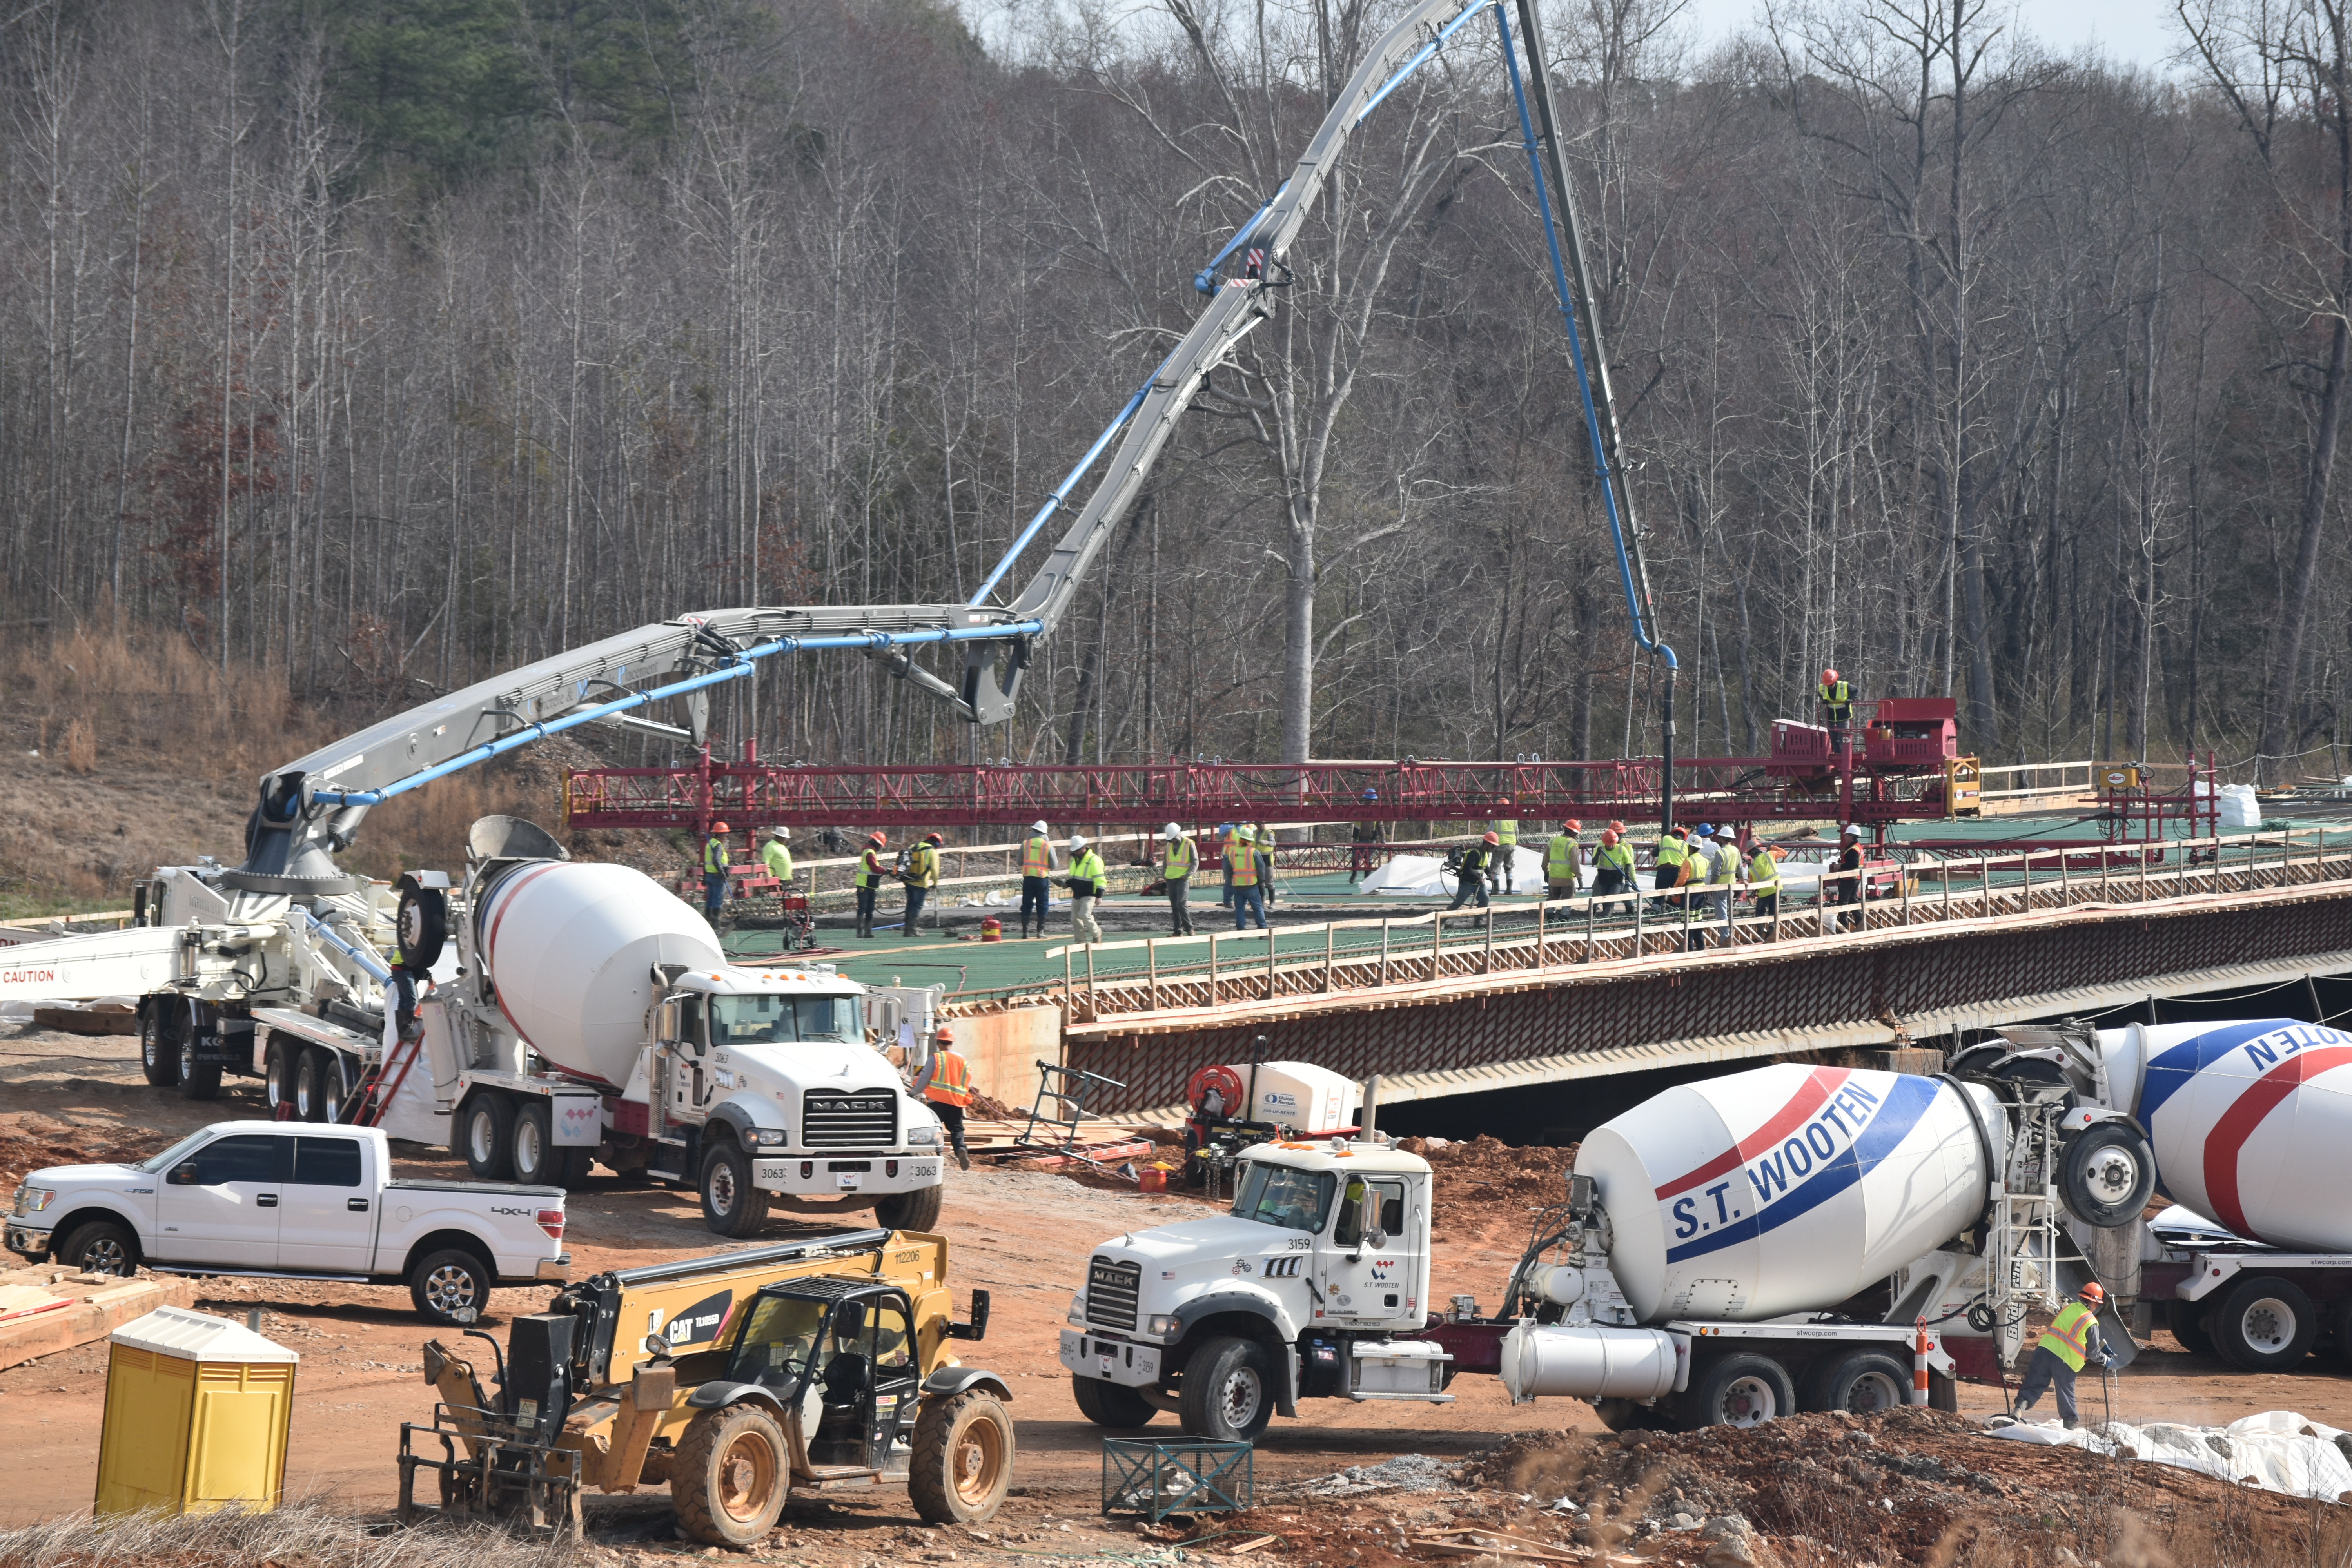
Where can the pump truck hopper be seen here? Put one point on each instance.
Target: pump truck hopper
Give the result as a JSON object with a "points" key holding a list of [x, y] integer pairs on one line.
{"points": [[823, 1365]]}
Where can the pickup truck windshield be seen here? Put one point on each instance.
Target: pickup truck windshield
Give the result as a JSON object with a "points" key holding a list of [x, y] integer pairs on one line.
{"points": [[782, 1020], [1276, 1194], [172, 1156]]}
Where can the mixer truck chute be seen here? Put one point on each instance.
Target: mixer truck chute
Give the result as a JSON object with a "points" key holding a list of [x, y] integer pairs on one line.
{"points": [[1788, 1237]]}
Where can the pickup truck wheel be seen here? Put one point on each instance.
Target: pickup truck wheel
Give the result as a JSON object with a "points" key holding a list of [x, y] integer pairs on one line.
{"points": [[159, 1054], [100, 1246], [732, 1205], [1740, 1390], [1110, 1405], [2265, 1324], [1228, 1391], [534, 1143], [486, 1129], [917, 1210], [731, 1476], [449, 1281], [960, 1465], [198, 1080]]}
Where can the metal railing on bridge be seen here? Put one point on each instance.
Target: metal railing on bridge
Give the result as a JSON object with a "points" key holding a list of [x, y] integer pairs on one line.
{"points": [[1128, 982]]}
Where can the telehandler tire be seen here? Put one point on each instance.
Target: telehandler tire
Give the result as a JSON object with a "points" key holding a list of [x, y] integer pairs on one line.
{"points": [[917, 1210], [1111, 1404], [732, 1205], [962, 1462], [731, 1476]]}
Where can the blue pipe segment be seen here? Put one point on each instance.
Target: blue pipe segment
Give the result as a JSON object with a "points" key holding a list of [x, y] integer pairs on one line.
{"points": [[1205, 279], [358, 955], [740, 668], [1430, 47], [1576, 349], [1062, 491]]}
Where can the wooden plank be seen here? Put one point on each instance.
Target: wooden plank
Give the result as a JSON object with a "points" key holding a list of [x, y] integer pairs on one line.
{"points": [[96, 1310]]}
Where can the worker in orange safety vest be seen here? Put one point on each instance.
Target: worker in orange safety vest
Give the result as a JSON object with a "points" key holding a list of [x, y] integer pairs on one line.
{"points": [[2071, 1340], [945, 1084]]}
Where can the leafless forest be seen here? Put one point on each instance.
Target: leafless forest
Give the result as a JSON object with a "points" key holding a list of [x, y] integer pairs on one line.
{"points": [[389, 343]]}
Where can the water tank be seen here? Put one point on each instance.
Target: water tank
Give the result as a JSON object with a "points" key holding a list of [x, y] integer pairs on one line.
{"points": [[2252, 1121], [571, 947], [1785, 1188]]}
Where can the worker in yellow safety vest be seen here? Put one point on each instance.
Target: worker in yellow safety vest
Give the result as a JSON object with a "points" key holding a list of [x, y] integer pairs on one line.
{"points": [[2071, 1340], [869, 881], [1037, 873], [1612, 864], [1178, 856], [777, 855], [1564, 861], [1673, 854], [921, 875], [1836, 695], [1764, 883], [714, 860], [1507, 847], [945, 1084], [1242, 865]]}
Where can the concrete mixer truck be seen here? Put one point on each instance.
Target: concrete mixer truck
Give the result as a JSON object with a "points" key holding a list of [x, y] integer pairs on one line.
{"points": [[1789, 1237], [591, 1014]]}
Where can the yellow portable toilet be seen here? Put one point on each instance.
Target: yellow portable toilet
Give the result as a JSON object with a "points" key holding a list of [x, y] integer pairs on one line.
{"points": [[197, 1410]]}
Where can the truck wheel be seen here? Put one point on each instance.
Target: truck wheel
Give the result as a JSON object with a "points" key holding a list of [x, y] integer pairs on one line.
{"points": [[2187, 1322], [2108, 1175], [449, 1281], [278, 1077], [534, 1142], [1866, 1383], [1740, 1390], [962, 1461], [1109, 1405], [1228, 1393], [319, 1086], [198, 1080], [100, 1246], [917, 1210], [486, 1130], [732, 1205], [731, 1477], [159, 1054], [2266, 1324], [569, 1168], [422, 925]]}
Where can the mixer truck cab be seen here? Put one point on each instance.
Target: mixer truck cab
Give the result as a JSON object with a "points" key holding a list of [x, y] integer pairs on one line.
{"points": [[768, 1094], [1302, 1290]]}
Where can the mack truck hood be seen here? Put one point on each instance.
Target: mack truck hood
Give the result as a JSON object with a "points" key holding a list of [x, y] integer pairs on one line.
{"points": [[1176, 1262], [817, 1064]]}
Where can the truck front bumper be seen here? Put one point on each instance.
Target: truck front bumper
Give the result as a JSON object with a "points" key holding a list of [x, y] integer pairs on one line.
{"points": [[30, 1241], [1113, 1361], [833, 1176]]}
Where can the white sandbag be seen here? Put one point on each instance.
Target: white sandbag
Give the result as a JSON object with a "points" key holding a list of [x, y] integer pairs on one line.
{"points": [[2276, 1450], [2239, 810]]}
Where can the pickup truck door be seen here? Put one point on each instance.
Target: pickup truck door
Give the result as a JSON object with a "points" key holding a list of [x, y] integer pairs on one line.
{"points": [[327, 1221], [220, 1204]]}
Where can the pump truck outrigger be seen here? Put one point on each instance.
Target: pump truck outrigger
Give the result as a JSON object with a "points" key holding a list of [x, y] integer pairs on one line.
{"points": [[822, 1365]]}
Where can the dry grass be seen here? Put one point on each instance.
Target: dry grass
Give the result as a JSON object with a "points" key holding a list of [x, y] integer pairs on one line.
{"points": [[299, 1535]]}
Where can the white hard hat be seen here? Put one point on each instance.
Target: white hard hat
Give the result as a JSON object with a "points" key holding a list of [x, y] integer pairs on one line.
{"points": [[1854, 830], [1172, 831], [1078, 841], [1039, 828]]}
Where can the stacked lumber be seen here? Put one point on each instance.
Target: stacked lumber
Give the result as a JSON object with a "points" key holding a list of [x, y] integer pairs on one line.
{"points": [[51, 1308]]}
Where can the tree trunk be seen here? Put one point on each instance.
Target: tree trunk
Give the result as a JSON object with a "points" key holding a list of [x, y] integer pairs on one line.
{"points": [[2281, 731]]}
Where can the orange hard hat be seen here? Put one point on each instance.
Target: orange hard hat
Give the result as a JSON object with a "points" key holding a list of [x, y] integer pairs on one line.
{"points": [[1573, 826], [1609, 836], [721, 828], [1615, 826], [878, 839], [2092, 1292], [1493, 838], [945, 1034], [1829, 675]]}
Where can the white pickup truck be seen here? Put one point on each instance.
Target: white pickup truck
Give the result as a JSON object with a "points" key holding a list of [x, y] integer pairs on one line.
{"points": [[295, 1201]]}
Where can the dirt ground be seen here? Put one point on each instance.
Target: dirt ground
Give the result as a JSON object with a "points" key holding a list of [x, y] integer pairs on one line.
{"points": [[1024, 1236]]}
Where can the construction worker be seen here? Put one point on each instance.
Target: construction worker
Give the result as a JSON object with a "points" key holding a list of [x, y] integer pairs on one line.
{"points": [[1087, 882], [870, 872], [1506, 851], [1241, 868], [1698, 870], [1722, 875], [1470, 876], [1836, 694], [1036, 877], [2071, 1339], [714, 873], [1564, 861], [1263, 837], [1848, 888], [1764, 883], [1178, 856], [945, 1083], [777, 854], [921, 875], [1612, 864], [1365, 834], [1674, 855], [1227, 832]]}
